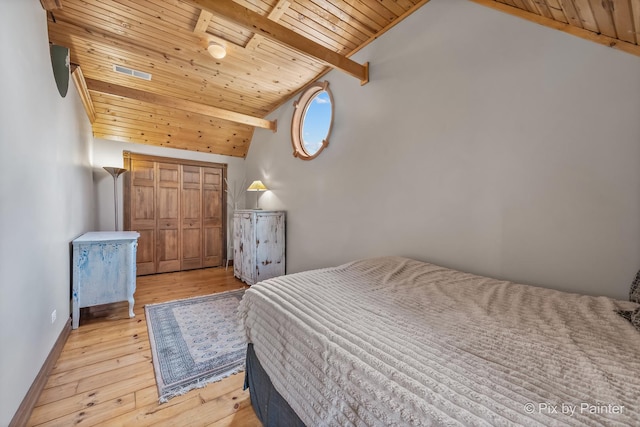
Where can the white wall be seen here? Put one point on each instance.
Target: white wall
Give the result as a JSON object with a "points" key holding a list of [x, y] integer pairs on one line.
{"points": [[109, 153], [484, 143], [46, 197]]}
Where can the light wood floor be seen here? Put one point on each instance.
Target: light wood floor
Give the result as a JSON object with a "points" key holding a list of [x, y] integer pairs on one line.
{"points": [[104, 375]]}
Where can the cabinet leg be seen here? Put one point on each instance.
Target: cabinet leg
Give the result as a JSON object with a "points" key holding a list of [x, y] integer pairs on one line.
{"points": [[131, 301], [75, 315]]}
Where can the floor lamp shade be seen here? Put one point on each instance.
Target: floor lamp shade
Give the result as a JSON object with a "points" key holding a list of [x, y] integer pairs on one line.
{"points": [[115, 173]]}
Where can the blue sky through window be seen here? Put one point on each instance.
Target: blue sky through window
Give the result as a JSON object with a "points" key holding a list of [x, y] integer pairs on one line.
{"points": [[316, 122]]}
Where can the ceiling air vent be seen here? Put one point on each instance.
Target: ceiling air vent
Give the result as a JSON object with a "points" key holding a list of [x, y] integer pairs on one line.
{"points": [[130, 72]]}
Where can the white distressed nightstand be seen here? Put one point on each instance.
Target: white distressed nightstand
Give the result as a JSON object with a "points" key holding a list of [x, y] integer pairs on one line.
{"points": [[104, 270], [258, 245]]}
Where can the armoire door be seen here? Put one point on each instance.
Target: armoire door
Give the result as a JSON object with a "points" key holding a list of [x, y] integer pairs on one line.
{"points": [[140, 213], [212, 192], [168, 209], [191, 196]]}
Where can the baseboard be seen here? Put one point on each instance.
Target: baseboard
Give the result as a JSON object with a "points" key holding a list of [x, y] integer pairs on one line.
{"points": [[29, 402]]}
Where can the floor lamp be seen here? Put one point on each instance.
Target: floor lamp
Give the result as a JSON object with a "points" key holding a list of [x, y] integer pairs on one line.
{"points": [[115, 173]]}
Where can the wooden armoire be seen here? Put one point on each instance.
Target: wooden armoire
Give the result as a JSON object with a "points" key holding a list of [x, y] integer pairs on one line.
{"points": [[179, 208]]}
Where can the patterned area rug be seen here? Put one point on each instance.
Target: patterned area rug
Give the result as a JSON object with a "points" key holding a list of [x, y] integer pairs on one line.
{"points": [[195, 341]]}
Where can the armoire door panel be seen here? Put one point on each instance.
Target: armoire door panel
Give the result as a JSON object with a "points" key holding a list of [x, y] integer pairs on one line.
{"points": [[143, 202], [191, 175], [145, 253], [168, 251], [212, 216], [191, 248], [142, 172], [143, 214], [212, 256], [191, 204]]}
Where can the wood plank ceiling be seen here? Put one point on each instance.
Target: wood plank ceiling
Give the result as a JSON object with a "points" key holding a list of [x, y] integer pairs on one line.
{"points": [[274, 49]]}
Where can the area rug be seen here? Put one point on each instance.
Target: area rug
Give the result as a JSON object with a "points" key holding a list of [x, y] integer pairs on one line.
{"points": [[195, 341]]}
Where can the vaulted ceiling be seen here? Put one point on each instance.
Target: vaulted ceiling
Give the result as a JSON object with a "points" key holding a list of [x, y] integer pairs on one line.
{"points": [[274, 49]]}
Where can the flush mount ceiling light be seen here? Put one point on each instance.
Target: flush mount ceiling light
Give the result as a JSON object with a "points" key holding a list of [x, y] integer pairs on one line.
{"points": [[217, 50]]}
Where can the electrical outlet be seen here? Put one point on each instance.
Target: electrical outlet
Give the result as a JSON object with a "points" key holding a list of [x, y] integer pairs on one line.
{"points": [[53, 316]]}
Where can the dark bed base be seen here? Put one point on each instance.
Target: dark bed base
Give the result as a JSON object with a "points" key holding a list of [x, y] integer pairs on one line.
{"points": [[269, 405]]}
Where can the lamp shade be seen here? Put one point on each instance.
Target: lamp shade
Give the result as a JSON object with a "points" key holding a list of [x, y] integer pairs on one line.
{"points": [[257, 186], [217, 50]]}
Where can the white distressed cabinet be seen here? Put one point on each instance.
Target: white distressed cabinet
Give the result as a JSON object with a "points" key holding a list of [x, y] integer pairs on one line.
{"points": [[104, 270], [258, 245]]}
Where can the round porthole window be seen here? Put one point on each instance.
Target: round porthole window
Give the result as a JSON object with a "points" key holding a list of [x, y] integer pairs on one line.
{"points": [[312, 121]]}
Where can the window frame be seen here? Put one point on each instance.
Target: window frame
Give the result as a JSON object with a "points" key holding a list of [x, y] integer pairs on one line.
{"points": [[297, 123]]}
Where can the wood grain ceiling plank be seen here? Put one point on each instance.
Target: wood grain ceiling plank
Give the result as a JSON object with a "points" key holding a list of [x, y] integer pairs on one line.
{"points": [[142, 29], [520, 4], [204, 140], [106, 112], [556, 10], [393, 7], [173, 143], [109, 112], [158, 13], [571, 13], [623, 20], [532, 7], [602, 13], [342, 40], [374, 10], [123, 126], [182, 104], [166, 133], [166, 41], [107, 104], [313, 31], [364, 15], [357, 20], [586, 15], [331, 21], [543, 8], [269, 29]]}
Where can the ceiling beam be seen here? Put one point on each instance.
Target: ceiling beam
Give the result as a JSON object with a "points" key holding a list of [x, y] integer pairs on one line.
{"points": [[203, 22], [179, 104], [85, 96], [265, 27]]}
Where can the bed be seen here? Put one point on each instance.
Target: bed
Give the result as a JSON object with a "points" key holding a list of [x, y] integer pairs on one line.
{"points": [[394, 341]]}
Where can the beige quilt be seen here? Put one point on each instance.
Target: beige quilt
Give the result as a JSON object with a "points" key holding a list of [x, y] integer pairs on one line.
{"points": [[393, 341]]}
